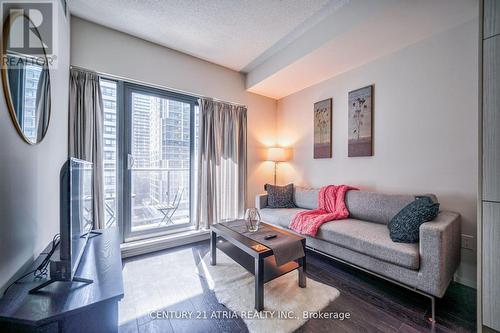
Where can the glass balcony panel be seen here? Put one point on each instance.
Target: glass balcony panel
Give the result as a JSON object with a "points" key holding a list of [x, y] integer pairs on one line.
{"points": [[160, 198]]}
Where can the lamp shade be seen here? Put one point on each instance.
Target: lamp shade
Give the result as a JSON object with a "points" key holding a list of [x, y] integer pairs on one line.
{"points": [[277, 154]]}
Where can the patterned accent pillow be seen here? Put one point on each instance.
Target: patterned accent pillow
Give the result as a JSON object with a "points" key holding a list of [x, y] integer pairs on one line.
{"points": [[279, 196], [404, 227]]}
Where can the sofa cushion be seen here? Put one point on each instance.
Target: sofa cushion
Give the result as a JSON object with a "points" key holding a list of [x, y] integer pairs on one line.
{"points": [[279, 196], [362, 205], [375, 207], [279, 216], [371, 239], [306, 197], [405, 226]]}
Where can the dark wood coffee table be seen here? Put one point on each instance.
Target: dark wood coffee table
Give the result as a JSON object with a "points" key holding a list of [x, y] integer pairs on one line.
{"points": [[254, 257]]}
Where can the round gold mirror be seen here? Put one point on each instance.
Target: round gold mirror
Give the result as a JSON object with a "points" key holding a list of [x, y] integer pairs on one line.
{"points": [[25, 77]]}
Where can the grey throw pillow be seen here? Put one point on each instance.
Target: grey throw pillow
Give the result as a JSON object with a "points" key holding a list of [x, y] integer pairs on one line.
{"points": [[405, 226], [279, 196]]}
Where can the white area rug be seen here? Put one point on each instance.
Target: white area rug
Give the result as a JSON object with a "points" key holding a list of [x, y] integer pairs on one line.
{"points": [[284, 301]]}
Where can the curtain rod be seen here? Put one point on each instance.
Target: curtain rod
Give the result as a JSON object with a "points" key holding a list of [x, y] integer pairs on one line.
{"points": [[129, 80]]}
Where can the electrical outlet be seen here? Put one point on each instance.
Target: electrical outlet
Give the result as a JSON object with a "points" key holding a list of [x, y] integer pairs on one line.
{"points": [[467, 242]]}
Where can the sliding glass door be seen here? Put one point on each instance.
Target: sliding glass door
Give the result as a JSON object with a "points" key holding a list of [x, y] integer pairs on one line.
{"points": [[158, 158]]}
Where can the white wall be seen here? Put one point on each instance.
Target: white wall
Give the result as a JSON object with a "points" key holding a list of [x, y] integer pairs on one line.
{"points": [[109, 51], [425, 127], [29, 175], [425, 124]]}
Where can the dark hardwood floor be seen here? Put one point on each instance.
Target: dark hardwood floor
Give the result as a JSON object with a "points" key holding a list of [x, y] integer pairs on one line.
{"points": [[167, 281]]}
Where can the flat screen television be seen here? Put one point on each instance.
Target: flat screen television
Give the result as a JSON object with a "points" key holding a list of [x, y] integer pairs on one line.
{"points": [[76, 216]]}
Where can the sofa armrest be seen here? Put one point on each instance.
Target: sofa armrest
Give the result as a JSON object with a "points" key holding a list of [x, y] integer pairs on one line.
{"points": [[261, 201], [440, 251]]}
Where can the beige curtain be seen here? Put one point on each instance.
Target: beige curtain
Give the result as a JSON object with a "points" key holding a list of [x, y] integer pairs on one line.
{"points": [[222, 163], [85, 132]]}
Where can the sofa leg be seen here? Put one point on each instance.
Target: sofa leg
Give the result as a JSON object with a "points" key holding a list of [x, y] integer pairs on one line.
{"points": [[433, 310], [432, 317]]}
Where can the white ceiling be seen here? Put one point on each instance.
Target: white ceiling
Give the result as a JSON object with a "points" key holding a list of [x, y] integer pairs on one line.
{"points": [[282, 45], [358, 33], [231, 33]]}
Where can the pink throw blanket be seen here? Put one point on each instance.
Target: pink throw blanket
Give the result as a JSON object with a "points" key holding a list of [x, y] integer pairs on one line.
{"points": [[331, 206]]}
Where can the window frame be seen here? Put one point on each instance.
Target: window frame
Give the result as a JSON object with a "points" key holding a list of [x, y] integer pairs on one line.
{"points": [[128, 89], [118, 144], [123, 148]]}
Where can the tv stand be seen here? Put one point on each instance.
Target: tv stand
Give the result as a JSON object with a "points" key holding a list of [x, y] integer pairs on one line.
{"points": [[46, 283], [65, 307], [93, 233]]}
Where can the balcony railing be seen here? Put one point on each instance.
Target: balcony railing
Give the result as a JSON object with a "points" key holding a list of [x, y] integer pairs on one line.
{"points": [[152, 189], [155, 188]]}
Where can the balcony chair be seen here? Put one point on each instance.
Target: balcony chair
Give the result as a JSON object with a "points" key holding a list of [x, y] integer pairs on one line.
{"points": [[168, 209]]}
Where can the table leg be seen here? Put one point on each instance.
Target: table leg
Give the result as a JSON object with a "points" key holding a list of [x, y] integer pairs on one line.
{"points": [[302, 272], [259, 284], [213, 248]]}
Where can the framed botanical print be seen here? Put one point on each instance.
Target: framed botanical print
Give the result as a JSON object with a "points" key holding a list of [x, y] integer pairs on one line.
{"points": [[360, 141], [323, 129]]}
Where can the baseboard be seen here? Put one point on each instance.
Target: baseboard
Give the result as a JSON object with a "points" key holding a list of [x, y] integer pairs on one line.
{"points": [[464, 281], [145, 246]]}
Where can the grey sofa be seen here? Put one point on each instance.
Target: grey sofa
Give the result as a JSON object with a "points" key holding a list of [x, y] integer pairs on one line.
{"points": [[363, 239]]}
